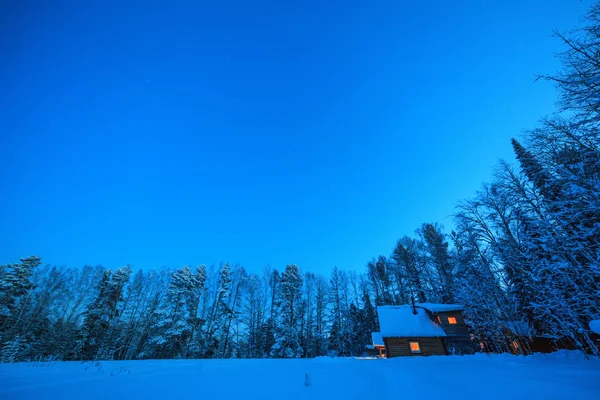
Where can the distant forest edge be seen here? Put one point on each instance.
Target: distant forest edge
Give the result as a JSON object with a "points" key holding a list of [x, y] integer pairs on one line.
{"points": [[525, 248]]}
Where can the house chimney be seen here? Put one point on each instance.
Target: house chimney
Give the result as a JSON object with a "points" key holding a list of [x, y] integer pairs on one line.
{"points": [[412, 299]]}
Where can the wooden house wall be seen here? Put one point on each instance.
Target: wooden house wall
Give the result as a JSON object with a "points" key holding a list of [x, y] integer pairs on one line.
{"points": [[460, 328], [372, 352], [457, 338], [459, 344], [429, 346]]}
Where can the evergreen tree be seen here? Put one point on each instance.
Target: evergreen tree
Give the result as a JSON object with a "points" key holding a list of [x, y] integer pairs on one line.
{"points": [[101, 322], [16, 288], [436, 248], [405, 254], [288, 330]]}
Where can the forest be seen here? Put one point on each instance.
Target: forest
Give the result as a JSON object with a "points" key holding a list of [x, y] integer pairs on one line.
{"points": [[525, 247]]}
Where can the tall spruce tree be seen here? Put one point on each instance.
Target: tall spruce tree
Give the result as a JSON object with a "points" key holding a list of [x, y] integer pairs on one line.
{"points": [[288, 331]]}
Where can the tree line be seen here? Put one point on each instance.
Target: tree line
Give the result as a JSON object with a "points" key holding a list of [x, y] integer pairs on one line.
{"points": [[525, 248]]}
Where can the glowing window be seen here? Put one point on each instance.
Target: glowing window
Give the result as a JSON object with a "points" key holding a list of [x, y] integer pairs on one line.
{"points": [[516, 345], [415, 347], [452, 320], [439, 320]]}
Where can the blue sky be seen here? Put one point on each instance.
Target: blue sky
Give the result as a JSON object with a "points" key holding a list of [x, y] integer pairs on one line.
{"points": [[316, 133]]}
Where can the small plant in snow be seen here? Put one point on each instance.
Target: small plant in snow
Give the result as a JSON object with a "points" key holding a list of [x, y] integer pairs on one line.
{"points": [[94, 364], [42, 362]]}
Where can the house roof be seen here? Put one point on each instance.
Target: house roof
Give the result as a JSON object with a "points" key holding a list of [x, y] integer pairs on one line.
{"points": [[377, 339], [400, 321], [595, 326], [435, 308]]}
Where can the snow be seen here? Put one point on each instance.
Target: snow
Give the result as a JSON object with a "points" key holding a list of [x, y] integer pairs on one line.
{"points": [[435, 308], [595, 326], [399, 321], [377, 339], [518, 328], [563, 375]]}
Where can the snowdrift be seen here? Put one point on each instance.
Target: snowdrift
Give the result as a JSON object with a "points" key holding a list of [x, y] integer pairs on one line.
{"points": [[563, 375]]}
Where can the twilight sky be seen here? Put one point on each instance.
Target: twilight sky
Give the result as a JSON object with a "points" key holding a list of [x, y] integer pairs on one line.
{"points": [[316, 133]]}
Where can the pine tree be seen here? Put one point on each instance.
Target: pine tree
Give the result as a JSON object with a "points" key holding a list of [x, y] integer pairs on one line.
{"points": [[176, 320], [406, 256], [436, 248], [101, 322], [288, 331], [195, 322], [16, 289], [15, 286]]}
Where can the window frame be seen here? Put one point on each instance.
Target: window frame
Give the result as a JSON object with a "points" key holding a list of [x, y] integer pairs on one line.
{"points": [[419, 351]]}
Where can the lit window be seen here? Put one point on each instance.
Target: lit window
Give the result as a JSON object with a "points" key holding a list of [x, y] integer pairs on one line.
{"points": [[452, 320], [516, 345], [415, 347], [439, 320]]}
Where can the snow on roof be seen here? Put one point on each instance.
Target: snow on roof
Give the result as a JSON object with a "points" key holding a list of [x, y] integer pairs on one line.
{"points": [[399, 321], [595, 326], [518, 328], [377, 339], [434, 308]]}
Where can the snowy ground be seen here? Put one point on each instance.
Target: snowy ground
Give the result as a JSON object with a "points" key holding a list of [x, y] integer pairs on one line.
{"points": [[563, 375]]}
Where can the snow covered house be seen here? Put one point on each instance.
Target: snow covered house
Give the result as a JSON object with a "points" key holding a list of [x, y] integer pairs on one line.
{"points": [[520, 335], [424, 329], [521, 338], [378, 344]]}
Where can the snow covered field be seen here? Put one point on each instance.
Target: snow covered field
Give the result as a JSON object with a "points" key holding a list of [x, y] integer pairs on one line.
{"points": [[564, 375]]}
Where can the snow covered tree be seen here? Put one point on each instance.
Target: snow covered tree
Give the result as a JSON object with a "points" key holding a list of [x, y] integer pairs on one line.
{"points": [[230, 332], [409, 269], [288, 329], [436, 250], [176, 320], [578, 83], [478, 287], [16, 288], [101, 321], [341, 327], [380, 276], [195, 321], [320, 330]]}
